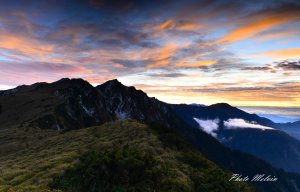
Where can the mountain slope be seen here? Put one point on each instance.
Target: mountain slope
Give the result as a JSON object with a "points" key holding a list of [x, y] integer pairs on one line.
{"points": [[275, 147], [293, 129], [46, 154]]}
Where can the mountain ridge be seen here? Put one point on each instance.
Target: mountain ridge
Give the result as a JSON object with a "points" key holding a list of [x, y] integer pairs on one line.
{"points": [[75, 104]]}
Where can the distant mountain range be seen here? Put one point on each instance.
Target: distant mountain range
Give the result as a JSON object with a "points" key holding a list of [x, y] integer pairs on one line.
{"points": [[278, 118], [70, 104], [246, 132], [276, 114], [291, 128]]}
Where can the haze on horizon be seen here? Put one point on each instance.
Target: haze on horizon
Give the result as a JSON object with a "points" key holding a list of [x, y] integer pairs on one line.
{"points": [[245, 53]]}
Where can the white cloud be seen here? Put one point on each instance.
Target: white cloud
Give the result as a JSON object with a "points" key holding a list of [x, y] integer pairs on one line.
{"points": [[209, 126], [5, 87], [241, 123]]}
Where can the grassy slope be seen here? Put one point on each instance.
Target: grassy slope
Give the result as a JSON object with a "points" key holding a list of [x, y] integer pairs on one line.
{"points": [[30, 158]]}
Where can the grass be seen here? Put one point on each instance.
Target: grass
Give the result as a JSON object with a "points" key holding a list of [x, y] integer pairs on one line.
{"points": [[31, 159]]}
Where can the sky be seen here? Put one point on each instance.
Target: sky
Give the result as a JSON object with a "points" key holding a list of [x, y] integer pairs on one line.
{"points": [[276, 114], [246, 53]]}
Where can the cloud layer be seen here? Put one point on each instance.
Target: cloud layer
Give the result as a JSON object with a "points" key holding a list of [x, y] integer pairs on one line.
{"points": [[241, 124], [209, 126]]}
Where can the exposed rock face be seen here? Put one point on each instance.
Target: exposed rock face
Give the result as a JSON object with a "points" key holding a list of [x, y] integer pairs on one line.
{"points": [[127, 102], [83, 106]]}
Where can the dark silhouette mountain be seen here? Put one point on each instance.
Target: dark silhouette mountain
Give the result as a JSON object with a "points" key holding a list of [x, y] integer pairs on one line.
{"points": [[74, 103], [222, 111], [65, 104]]}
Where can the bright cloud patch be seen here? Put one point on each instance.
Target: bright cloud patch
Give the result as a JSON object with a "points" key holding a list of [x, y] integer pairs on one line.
{"points": [[209, 126], [5, 87], [241, 123]]}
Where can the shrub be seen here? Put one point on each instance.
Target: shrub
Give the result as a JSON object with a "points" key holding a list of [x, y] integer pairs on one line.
{"points": [[117, 170]]}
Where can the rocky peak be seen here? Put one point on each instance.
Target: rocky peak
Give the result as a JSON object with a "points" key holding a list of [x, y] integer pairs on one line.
{"points": [[128, 102], [63, 80], [110, 86], [114, 81], [221, 105], [66, 82]]}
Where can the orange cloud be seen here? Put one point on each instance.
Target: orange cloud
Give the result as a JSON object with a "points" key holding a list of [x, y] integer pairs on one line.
{"points": [[278, 35], [118, 66], [180, 25], [166, 52], [82, 71], [168, 24], [160, 63], [23, 45], [103, 71], [161, 57], [259, 25], [269, 94], [189, 26], [281, 54], [200, 63]]}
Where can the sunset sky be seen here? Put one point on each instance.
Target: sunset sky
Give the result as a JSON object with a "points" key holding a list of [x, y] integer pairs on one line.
{"points": [[246, 53]]}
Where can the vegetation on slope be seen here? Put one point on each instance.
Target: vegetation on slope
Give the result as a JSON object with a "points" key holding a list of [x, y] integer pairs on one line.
{"points": [[120, 156]]}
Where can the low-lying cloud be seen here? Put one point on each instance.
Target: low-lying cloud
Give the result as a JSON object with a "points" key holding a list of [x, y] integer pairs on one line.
{"points": [[241, 123], [209, 126]]}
